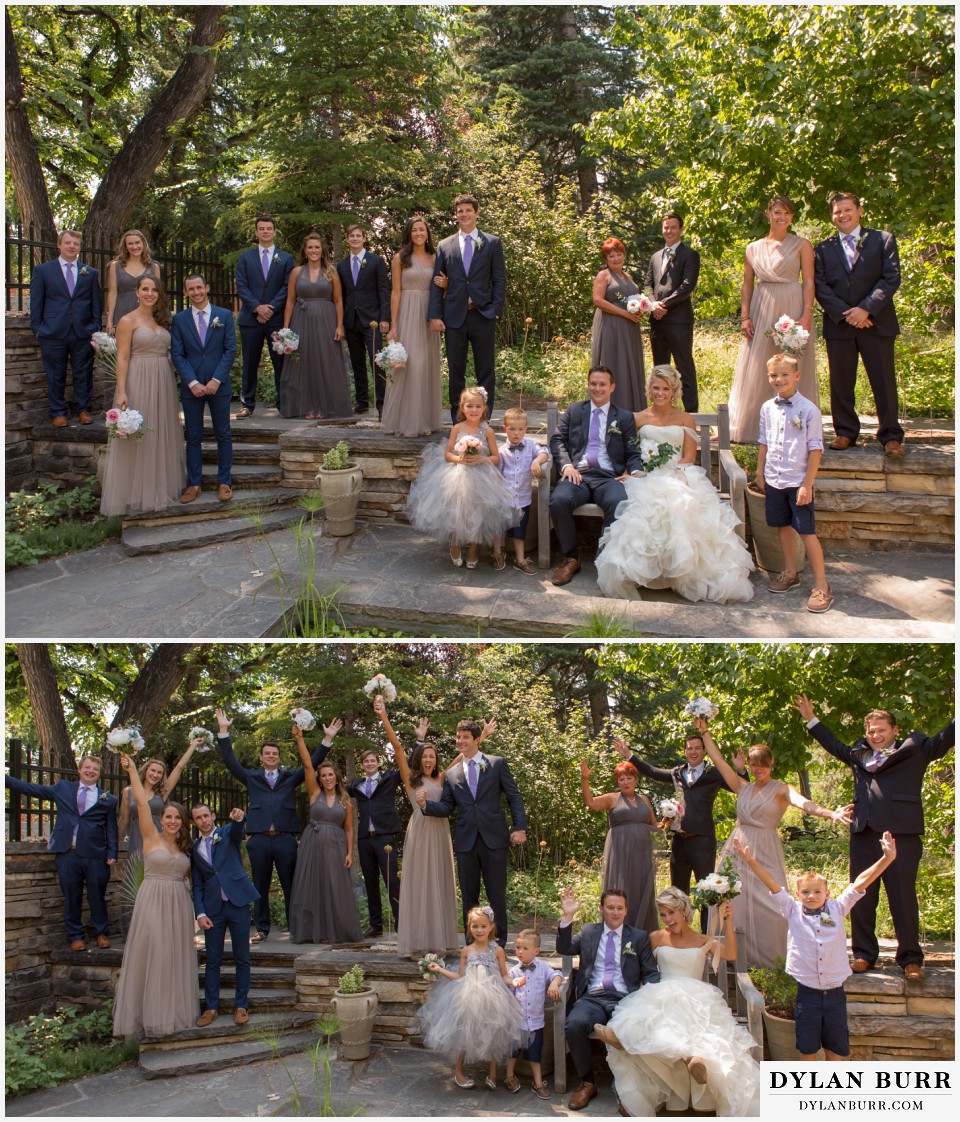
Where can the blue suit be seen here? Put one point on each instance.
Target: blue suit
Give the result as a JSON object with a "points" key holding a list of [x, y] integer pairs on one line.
{"points": [[63, 325], [272, 826], [211, 882], [254, 290], [86, 861], [205, 362]]}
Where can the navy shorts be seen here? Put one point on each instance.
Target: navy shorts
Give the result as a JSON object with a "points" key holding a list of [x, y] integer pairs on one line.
{"points": [[821, 1019], [520, 530], [533, 1050], [780, 509]]}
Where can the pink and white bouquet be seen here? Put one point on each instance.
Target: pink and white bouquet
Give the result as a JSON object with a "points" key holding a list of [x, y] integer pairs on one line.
{"points": [[203, 734], [393, 356], [381, 685], [639, 303], [790, 336], [127, 740], [423, 964], [470, 446], [303, 719], [716, 887], [701, 707], [124, 423], [671, 812], [105, 345], [285, 342]]}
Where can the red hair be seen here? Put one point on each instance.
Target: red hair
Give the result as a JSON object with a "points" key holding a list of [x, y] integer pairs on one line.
{"points": [[625, 768], [613, 244]]}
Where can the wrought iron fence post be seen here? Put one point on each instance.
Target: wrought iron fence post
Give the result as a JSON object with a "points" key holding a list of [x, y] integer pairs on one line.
{"points": [[16, 770]]}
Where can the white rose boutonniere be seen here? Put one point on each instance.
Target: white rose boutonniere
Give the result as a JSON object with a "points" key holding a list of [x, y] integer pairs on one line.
{"points": [[614, 428], [797, 421], [483, 765], [216, 322], [84, 271], [105, 797], [628, 949]]}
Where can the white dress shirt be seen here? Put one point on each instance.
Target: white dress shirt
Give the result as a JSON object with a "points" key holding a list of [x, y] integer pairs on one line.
{"points": [[603, 457], [817, 945], [595, 985], [790, 432]]}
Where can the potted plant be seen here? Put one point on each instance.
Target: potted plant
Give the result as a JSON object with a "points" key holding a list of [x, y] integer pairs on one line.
{"points": [[340, 482], [779, 992], [355, 1006], [766, 539]]}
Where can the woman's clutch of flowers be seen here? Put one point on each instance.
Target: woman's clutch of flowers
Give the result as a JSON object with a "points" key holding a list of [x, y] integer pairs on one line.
{"points": [[717, 887], [126, 739], [285, 341], [393, 355], [701, 707], [381, 684], [124, 423], [791, 337], [303, 719]]}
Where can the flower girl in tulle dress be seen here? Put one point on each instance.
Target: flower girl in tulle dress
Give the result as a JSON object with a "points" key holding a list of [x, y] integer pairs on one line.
{"points": [[474, 1017], [459, 494]]}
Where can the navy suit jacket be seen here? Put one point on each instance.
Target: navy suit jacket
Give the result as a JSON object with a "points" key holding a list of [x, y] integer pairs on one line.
{"points": [[870, 284], [194, 361], [269, 807], [890, 797], [675, 284], [482, 815], [486, 285], [568, 444], [253, 290], [226, 872], [379, 810], [369, 298], [97, 833], [638, 968], [53, 311]]}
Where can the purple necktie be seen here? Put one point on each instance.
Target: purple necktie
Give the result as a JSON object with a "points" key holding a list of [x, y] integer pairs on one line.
{"points": [[71, 282], [467, 253], [272, 779], [368, 791], [609, 961], [593, 444], [209, 841], [265, 261], [202, 327], [873, 764], [356, 268], [851, 245], [81, 799], [472, 777]]}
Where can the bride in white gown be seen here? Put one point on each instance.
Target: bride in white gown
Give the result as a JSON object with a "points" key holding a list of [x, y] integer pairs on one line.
{"points": [[676, 1043], [672, 531]]}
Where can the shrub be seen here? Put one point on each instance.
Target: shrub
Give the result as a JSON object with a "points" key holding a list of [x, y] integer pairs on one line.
{"points": [[50, 522], [352, 981], [336, 458]]}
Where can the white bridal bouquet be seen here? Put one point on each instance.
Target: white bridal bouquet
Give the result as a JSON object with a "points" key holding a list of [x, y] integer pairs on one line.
{"points": [[105, 345], [670, 808], [791, 337], [127, 740], [381, 684], [393, 355], [124, 423], [203, 734], [655, 455], [285, 341], [717, 887], [701, 707], [303, 719], [639, 303]]}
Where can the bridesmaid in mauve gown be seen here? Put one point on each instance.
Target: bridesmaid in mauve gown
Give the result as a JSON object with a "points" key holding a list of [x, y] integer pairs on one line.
{"points": [[628, 850], [616, 332], [412, 403], [157, 993], [314, 383], [323, 908], [777, 280], [761, 806], [428, 893], [149, 473]]}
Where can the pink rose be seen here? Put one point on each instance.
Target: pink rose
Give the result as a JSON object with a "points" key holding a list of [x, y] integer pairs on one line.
{"points": [[113, 415]]}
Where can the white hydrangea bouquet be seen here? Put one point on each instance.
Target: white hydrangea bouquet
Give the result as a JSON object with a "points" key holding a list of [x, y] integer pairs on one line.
{"points": [[200, 733], [124, 423], [671, 812], [127, 740], [716, 887], [701, 707], [381, 684], [303, 719], [789, 335], [105, 345], [393, 356]]}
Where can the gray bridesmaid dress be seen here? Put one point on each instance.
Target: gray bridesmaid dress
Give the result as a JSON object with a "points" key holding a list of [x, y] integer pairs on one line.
{"points": [[314, 378], [628, 860], [617, 344], [323, 908]]}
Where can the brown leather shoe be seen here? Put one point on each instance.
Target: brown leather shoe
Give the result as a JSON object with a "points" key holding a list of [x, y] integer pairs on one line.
{"points": [[189, 494], [78, 945], [225, 492], [582, 1095], [240, 1017], [85, 418], [244, 412], [564, 574], [913, 972], [860, 966], [893, 448], [103, 942], [841, 443], [60, 422], [207, 1017]]}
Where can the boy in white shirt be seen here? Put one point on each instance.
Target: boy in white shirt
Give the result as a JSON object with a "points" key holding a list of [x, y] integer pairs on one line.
{"points": [[817, 950], [532, 979]]}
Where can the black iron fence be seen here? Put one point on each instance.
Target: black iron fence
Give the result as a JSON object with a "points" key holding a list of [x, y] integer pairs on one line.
{"points": [[26, 248], [33, 818]]}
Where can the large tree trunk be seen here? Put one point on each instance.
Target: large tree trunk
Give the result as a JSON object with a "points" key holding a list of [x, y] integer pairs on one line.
{"points": [[44, 693], [148, 696], [144, 149], [23, 159]]}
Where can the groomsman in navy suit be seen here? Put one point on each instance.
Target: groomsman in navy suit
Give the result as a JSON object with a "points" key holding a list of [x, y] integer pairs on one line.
{"points": [[366, 314], [222, 895], [272, 822], [85, 840], [64, 313], [203, 345], [262, 276], [378, 826], [856, 272], [468, 309]]}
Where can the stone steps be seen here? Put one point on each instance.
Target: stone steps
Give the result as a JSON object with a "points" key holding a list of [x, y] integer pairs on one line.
{"points": [[244, 452], [169, 536], [270, 999]]}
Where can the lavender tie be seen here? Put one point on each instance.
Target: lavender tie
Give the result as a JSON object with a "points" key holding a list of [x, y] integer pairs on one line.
{"points": [[356, 269], [852, 254], [209, 841], [467, 254], [472, 778], [265, 262], [81, 799], [272, 779], [71, 281], [593, 443], [202, 327], [609, 961], [368, 790]]}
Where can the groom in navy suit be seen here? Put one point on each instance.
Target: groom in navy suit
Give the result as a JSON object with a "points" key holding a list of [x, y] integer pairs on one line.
{"points": [[262, 276], [856, 273], [64, 313], [203, 345], [366, 315], [468, 309], [85, 840], [222, 895], [594, 447], [473, 789]]}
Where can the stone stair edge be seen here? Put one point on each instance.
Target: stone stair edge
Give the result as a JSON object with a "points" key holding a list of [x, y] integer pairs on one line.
{"points": [[190, 1060]]}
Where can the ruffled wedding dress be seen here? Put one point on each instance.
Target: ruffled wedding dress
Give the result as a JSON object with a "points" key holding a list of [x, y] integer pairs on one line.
{"points": [[663, 1025], [673, 532]]}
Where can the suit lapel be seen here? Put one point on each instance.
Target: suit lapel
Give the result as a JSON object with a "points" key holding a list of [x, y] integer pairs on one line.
{"points": [[843, 257]]}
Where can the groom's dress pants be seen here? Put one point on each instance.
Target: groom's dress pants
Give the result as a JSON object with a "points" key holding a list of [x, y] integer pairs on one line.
{"points": [[479, 333], [598, 486], [589, 1010], [265, 851], [490, 865]]}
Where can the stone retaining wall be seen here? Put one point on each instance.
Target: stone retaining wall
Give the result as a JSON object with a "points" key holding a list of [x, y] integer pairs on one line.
{"points": [[893, 1019]]}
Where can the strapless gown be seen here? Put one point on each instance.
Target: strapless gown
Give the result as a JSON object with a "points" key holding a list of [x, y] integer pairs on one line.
{"points": [[672, 531], [663, 1025]]}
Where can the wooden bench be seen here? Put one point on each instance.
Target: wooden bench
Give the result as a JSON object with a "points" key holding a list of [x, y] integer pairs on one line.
{"points": [[731, 481], [748, 1013]]}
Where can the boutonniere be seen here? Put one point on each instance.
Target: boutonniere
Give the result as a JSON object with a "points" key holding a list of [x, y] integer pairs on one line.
{"points": [[217, 836], [628, 949], [363, 263], [797, 421], [216, 322], [483, 765], [860, 241], [479, 243], [105, 797], [614, 427], [83, 270]]}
